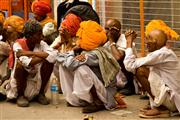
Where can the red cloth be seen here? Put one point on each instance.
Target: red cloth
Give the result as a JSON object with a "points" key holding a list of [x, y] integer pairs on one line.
{"points": [[71, 23], [40, 8], [24, 46]]}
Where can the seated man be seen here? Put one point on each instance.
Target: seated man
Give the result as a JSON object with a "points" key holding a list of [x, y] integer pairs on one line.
{"points": [[158, 73], [30, 74], [117, 44], [11, 29], [87, 77]]}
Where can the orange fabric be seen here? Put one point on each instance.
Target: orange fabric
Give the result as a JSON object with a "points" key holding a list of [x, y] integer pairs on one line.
{"points": [[16, 22], [71, 23], [91, 35], [159, 24], [2, 18], [24, 46], [40, 8]]}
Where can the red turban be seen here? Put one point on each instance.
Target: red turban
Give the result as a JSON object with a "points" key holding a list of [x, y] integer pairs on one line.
{"points": [[40, 8], [71, 23]]}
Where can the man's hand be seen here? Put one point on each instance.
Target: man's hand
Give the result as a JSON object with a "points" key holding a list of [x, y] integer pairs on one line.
{"points": [[65, 36], [112, 34], [19, 53], [81, 57], [130, 37]]}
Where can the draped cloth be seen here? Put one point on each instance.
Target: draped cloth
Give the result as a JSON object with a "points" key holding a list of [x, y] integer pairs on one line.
{"points": [[109, 67]]}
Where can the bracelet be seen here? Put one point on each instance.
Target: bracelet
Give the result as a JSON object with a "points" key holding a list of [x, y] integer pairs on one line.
{"points": [[112, 44]]}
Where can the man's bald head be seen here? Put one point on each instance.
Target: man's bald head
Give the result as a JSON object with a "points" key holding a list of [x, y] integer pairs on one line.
{"points": [[159, 36], [114, 23], [156, 39]]}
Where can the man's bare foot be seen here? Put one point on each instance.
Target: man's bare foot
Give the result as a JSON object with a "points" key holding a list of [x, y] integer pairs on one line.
{"points": [[145, 108]]}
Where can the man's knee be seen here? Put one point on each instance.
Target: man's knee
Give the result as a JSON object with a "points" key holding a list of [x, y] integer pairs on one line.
{"points": [[83, 68]]}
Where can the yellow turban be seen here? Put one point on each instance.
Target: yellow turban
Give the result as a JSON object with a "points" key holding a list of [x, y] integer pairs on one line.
{"points": [[2, 18], [159, 24], [16, 22], [91, 35]]}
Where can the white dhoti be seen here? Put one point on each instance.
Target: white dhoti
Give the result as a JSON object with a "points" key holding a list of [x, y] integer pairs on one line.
{"points": [[77, 85], [161, 92], [33, 84]]}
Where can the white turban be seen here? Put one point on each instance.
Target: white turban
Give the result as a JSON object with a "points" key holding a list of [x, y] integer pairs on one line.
{"points": [[48, 29]]}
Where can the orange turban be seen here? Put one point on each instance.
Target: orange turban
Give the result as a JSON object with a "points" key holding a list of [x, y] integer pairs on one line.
{"points": [[160, 25], [71, 23], [16, 22], [2, 17], [40, 8], [91, 35]]}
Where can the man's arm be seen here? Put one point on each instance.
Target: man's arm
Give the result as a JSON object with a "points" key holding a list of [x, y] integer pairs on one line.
{"points": [[35, 60], [72, 62], [30, 53], [117, 54], [132, 63]]}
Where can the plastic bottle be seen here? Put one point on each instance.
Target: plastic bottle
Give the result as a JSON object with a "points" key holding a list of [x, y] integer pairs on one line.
{"points": [[54, 92]]}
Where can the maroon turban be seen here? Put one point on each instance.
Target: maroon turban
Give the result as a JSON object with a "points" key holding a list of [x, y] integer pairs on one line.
{"points": [[40, 8]]}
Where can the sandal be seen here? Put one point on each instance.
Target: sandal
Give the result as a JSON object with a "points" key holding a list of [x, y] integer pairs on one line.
{"points": [[155, 113], [161, 115]]}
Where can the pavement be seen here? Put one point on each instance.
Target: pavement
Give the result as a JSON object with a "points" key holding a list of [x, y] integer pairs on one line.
{"points": [[10, 111]]}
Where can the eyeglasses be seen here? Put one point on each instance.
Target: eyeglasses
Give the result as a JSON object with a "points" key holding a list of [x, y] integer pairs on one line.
{"points": [[112, 28]]}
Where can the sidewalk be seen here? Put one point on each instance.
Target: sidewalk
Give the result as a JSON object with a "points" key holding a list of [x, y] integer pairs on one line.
{"points": [[35, 111]]}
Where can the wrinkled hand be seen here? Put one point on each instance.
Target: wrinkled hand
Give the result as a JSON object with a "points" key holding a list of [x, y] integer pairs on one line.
{"points": [[112, 34], [81, 57], [130, 37], [65, 36], [130, 34]]}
